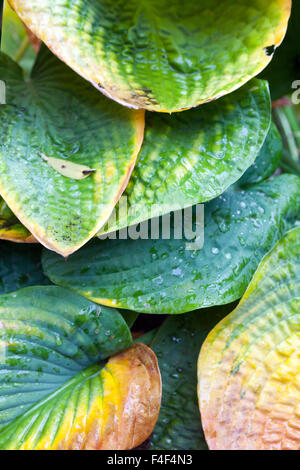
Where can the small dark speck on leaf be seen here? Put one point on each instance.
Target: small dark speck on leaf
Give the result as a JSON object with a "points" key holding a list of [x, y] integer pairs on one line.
{"points": [[269, 50]]}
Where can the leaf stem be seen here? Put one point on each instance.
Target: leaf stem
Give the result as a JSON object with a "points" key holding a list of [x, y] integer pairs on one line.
{"points": [[22, 49]]}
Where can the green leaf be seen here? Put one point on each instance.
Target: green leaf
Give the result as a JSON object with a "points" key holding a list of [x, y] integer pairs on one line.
{"points": [[284, 68], [177, 345], [11, 228], [55, 334], [162, 276], [196, 155], [15, 41], [156, 54], [266, 161], [20, 266], [57, 391], [248, 368], [59, 114]]}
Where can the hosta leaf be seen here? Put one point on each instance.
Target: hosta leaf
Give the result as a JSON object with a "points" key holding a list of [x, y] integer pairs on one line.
{"points": [[20, 266], [266, 161], [248, 369], [284, 68], [176, 345], [162, 276], [196, 155], [158, 55], [11, 228], [57, 391], [15, 41], [59, 114]]}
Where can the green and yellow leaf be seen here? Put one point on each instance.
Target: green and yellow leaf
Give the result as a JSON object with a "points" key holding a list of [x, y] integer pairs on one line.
{"points": [[196, 155], [163, 276], [248, 368], [59, 390], [159, 55], [11, 228], [60, 115]]}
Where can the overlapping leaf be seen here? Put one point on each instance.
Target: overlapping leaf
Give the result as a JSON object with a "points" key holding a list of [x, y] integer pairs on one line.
{"points": [[141, 200], [196, 155], [156, 54], [56, 390], [163, 276], [60, 115], [249, 365]]}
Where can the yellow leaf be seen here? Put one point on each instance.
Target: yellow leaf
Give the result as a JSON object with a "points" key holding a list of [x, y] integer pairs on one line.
{"points": [[67, 168]]}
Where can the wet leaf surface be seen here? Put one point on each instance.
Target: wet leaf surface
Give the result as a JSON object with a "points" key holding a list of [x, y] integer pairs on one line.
{"points": [[249, 365], [156, 54], [59, 388]]}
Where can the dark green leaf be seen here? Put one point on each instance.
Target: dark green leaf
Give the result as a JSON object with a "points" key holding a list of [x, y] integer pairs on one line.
{"points": [[162, 276], [177, 344], [20, 266]]}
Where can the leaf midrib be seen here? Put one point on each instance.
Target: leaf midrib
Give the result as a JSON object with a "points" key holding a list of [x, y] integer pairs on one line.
{"points": [[80, 378]]}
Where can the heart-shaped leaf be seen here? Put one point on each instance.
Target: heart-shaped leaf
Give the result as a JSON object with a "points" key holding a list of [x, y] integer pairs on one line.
{"points": [[15, 41], [159, 55], [20, 266], [176, 345], [167, 194], [57, 391], [196, 155], [11, 228], [248, 369], [163, 276], [59, 114]]}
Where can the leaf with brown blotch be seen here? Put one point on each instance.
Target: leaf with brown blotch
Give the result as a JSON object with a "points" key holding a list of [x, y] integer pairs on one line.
{"points": [[81, 383], [249, 365]]}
